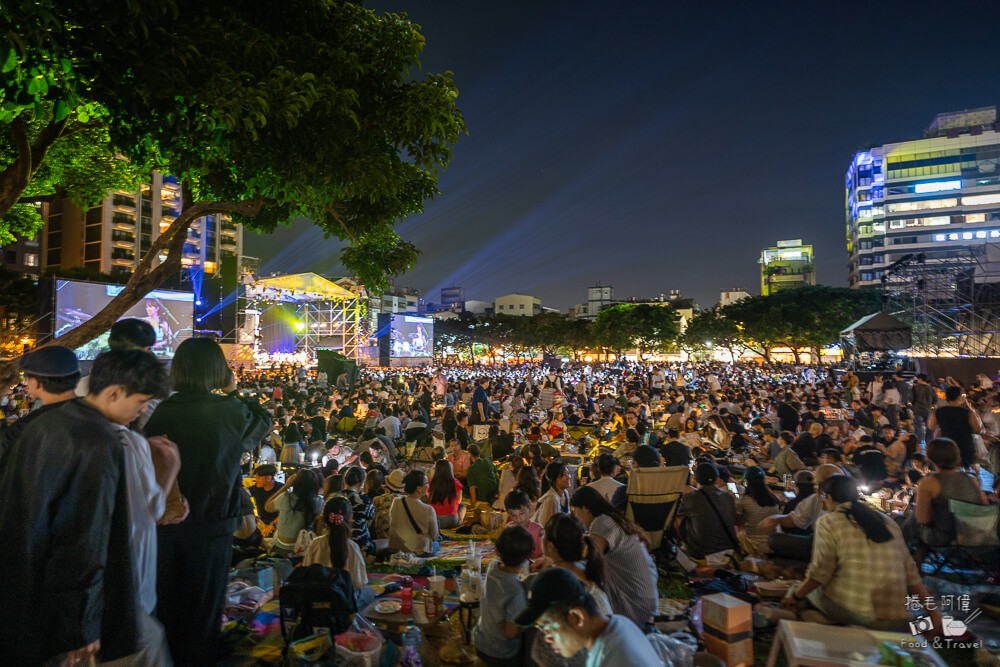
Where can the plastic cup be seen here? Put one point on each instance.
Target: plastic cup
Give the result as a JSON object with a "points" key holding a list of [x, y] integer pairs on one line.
{"points": [[436, 584]]}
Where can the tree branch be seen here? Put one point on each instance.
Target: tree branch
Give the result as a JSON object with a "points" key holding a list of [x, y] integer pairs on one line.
{"points": [[146, 278], [40, 199], [336, 216], [14, 178]]}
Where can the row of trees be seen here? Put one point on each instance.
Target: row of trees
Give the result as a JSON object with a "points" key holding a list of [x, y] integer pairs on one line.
{"points": [[316, 111], [808, 317], [644, 327]]}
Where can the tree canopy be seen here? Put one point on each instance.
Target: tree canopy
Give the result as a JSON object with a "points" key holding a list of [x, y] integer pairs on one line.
{"points": [[317, 110]]}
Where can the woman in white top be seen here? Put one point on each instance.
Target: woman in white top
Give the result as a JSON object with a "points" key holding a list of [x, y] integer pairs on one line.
{"points": [[555, 492], [413, 525], [630, 580], [336, 550], [508, 480]]}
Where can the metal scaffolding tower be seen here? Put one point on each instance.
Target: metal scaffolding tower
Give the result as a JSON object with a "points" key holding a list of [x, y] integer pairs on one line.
{"points": [[951, 299], [329, 324]]}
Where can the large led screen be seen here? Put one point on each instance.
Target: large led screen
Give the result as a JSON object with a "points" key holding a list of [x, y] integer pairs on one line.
{"points": [[171, 314], [411, 336]]}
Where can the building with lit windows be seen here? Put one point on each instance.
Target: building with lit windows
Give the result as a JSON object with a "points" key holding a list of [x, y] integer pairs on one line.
{"points": [[517, 304], [787, 265], [934, 197], [114, 235]]}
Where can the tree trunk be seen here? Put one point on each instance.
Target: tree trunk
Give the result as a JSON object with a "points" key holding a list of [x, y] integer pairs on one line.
{"points": [[145, 278]]}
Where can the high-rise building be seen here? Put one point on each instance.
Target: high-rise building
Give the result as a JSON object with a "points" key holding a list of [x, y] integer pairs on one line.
{"points": [[22, 256], [789, 264], [734, 295], [935, 197], [114, 235]]}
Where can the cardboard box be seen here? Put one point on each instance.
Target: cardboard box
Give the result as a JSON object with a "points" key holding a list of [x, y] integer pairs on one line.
{"points": [[726, 614], [735, 654]]}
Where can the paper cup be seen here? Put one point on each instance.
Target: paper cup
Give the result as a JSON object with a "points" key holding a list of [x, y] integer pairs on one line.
{"points": [[436, 584], [419, 612]]}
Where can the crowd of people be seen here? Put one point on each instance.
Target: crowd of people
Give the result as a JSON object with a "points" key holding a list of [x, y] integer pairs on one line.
{"points": [[124, 491]]}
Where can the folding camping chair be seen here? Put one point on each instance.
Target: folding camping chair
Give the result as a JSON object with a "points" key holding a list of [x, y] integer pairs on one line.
{"points": [[976, 551], [652, 499]]}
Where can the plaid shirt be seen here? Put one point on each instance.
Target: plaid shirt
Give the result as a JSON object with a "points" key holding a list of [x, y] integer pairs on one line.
{"points": [[861, 576]]}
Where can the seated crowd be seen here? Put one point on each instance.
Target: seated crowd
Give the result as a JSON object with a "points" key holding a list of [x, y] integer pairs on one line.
{"points": [[777, 458]]}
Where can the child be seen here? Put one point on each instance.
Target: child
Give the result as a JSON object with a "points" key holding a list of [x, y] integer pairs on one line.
{"points": [[518, 507], [496, 636]]}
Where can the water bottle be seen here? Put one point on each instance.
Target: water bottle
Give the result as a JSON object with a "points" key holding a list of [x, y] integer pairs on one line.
{"points": [[413, 644], [406, 594]]}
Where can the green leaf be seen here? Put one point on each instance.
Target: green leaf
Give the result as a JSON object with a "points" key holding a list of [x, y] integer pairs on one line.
{"points": [[10, 62], [60, 111]]}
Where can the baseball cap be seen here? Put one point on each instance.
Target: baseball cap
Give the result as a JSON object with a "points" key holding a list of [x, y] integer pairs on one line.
{"points": [[553, 586], [706, 473], [53, 361], [804, 477]]}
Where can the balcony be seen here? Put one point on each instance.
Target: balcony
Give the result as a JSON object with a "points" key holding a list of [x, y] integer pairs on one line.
{"points": [[123, 202]]}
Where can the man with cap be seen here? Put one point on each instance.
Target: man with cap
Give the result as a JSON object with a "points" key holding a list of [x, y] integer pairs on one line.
{"points": [[50, 375], [568, 620]]}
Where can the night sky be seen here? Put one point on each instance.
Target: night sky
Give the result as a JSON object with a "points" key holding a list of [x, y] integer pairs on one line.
{"points": [[660, 145]]}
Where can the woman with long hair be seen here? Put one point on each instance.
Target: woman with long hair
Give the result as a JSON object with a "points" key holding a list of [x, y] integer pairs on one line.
{"points": [[690, 434], [755, 505], [213, 427], [630, 573], [445, 495], [854, 577], [297, 504], [555, 492], [337, 550], [527, 483]]}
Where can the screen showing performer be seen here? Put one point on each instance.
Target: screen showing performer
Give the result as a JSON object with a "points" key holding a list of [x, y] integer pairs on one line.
{"points": [[171, 314], [411, 336]]}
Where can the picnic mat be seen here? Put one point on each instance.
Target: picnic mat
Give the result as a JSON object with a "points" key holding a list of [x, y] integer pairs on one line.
{"points": [[457, 550]]}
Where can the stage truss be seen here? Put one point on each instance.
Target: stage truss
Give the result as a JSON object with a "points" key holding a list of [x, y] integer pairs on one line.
{"points": [[328, 316], [952, 302]]}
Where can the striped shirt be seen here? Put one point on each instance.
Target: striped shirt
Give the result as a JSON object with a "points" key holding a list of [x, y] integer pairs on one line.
{"points": [[865, 578], [629, 572]]}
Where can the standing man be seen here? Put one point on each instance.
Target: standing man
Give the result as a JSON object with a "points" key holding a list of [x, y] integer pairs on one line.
{"points": [[480, 402], [50, 375], [924, 399], [64, 513]]}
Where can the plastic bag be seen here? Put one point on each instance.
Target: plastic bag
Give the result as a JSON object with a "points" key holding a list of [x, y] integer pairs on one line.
{"points": [[674, 650], [361, 645]]}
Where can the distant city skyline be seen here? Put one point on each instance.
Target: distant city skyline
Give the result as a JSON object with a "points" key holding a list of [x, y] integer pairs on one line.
{"points": [[657, 147]]}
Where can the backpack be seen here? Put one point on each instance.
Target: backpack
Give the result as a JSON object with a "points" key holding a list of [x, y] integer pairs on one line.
{"points": [[302, 542], [316, 599]]}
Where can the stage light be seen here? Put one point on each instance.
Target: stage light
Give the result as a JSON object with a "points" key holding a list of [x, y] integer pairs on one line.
{"points": [[198, 302], [299, 326], [197, 319]]}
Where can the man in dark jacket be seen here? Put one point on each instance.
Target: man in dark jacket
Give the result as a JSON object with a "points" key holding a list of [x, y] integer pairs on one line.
{"points": [[50, 375], [68, 590]]}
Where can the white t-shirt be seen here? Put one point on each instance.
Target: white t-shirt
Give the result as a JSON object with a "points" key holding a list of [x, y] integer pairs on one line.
{"points": [[621, 643], [402, 535], [146, 504], [319, 552], [606, 486]]}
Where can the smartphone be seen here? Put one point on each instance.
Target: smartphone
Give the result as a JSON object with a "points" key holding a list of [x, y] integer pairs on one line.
{"points": [[732, 487]]}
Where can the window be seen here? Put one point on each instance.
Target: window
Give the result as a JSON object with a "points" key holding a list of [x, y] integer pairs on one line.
{"points": [[30, 259], [500, 307], [927, 204], [521, 306]]}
